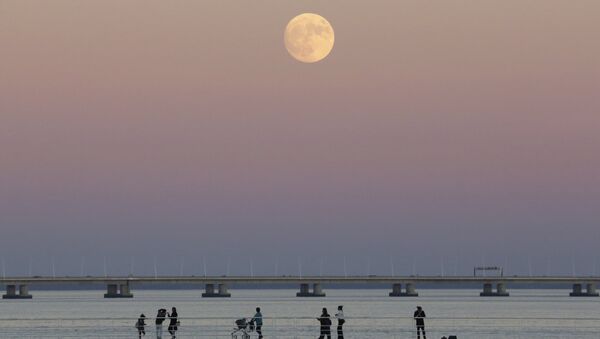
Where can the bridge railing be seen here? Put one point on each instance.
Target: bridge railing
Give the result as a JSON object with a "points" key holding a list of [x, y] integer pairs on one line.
{"points": [[308, 327]]}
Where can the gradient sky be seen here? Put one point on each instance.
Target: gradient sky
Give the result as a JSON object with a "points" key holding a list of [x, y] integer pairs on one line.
{"points": [[441, 133]]}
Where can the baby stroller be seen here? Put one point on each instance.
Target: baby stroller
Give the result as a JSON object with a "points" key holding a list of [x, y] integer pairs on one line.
{"points": [[243, 328]]}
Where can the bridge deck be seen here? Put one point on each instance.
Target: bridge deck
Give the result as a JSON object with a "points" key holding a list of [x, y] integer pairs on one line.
{"points": [[304, 279]]}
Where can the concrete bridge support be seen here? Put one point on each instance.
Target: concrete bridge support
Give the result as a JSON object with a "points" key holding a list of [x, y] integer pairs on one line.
{"points": [[591, 290], [579, 292], [223, 291], [118, 291], [305, 292], [409, 291], [220, 292], [11, 292], [489, 292]]}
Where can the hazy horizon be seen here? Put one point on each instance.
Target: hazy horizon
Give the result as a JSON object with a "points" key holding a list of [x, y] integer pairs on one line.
{"points": [[447, 133]]}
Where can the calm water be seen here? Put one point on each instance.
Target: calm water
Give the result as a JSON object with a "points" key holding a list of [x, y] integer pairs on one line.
{"points": [[370, 313]]}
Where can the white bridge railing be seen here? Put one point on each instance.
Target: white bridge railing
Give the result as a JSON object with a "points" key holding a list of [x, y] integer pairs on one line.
{"points": [[303, 327]]}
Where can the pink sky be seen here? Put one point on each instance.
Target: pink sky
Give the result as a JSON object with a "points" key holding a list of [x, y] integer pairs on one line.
{"points": [[184, 126]]}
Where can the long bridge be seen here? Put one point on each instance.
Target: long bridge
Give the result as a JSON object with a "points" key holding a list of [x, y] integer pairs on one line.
{"points": [[310, 286]]}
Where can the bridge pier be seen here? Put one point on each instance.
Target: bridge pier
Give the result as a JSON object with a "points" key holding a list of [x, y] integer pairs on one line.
{"points": [[118, 291], [409, 290], [489, 292], [589, 292], [11, 292], [221, 292], [305, 292]]}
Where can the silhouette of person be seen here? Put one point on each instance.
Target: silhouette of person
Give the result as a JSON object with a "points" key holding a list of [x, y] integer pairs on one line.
{"points": [[172, 322], [341, 320], [325, 320], [419, 317], [258, 320], [140, 325], [160, 318]]}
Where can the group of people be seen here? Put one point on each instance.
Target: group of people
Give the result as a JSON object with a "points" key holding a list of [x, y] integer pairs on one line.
{"points": [[257, 320], [325, 321], [161, 316]]}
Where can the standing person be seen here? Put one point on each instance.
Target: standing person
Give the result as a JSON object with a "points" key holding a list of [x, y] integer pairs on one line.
{"points": [[341, 320], [258, 320], [419, 317], [140, 325], [172, 322], [325, 320], [160, 318]]}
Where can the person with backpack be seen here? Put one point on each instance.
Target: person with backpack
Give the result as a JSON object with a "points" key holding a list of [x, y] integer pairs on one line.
{"points": [[160, 318], [341, 320], [419, 317], [258, 321], [141, 326], [325, 321]]}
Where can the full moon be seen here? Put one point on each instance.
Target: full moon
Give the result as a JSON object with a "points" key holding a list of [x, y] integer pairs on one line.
{"points": [[309, 37]]}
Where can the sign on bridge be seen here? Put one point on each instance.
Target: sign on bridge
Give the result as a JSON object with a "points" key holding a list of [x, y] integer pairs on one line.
{"points": [[499, 271]]}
